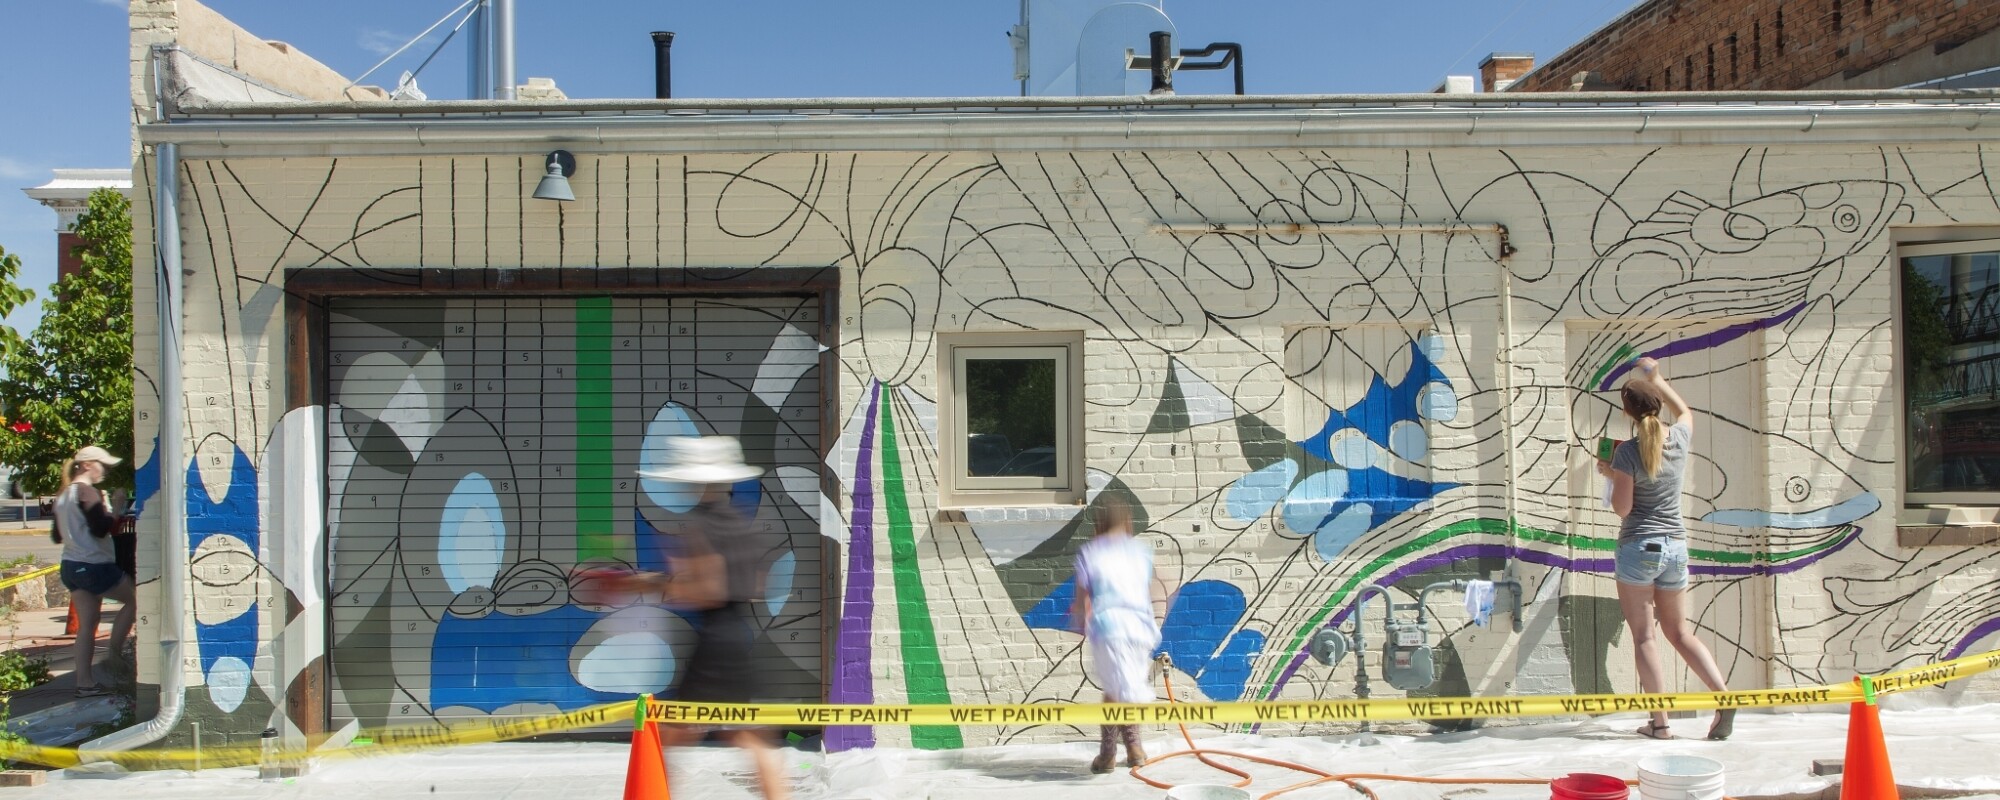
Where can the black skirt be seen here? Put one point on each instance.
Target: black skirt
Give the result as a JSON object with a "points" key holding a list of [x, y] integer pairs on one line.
{"points": [[720, 670]]}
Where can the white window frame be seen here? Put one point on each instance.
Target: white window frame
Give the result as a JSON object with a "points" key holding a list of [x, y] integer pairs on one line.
{"points": [[956, 489], [1914, 498]]}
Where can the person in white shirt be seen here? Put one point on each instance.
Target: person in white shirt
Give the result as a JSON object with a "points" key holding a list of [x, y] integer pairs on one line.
{"points": [[83, 526]]}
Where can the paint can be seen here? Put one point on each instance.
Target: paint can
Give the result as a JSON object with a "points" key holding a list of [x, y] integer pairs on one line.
{"points": [[1206, 791], [1680, 778], [1588, 786]]}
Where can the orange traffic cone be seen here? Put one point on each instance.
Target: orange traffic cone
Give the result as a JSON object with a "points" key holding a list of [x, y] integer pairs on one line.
{"points": [[646, 772], [1865, 774], [70, 627]]}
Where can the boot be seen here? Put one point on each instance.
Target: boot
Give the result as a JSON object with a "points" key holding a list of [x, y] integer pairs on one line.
{"points": [[1134, 755], [1107, 749]]}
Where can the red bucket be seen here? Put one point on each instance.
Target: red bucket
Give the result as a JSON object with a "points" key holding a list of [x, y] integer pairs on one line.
{"points": [[1588, 786]]}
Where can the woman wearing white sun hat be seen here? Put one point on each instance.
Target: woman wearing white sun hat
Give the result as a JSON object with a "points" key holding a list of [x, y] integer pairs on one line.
{"points": [[83, 525], [715, 572]]}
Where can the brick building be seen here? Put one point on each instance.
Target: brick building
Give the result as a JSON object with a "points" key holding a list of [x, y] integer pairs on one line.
{"points": [[1775, 45], [69, 194]]}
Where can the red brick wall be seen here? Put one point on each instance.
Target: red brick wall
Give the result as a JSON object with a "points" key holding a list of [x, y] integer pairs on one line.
{"points": [[67, 263], [1656, 46]]}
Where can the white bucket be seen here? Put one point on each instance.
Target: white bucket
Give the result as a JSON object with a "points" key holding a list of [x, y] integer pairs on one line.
{"points": [[1206, 791], [1680, 778]]}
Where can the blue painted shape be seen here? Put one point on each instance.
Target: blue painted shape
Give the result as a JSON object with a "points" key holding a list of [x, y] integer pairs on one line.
{"points": [[472, 534], [1253, 495], [1052, 613], [1845, 512], [652, 546], [1342, 529], [671, 420], [778, 583], [1203, 614], [1409, 441], [746, 495], [146, 479], [1313, 500], [497, 660], [1438, 401], [1228, 672], [1383, 405], [235, 514]]}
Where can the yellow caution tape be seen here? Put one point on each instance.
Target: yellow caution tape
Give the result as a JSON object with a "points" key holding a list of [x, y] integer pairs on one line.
{"points": [[415, 738], [28, 576]]}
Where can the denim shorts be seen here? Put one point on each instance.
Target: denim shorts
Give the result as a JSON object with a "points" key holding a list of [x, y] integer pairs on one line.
{"points": [[81, 576], [1657, 561]]}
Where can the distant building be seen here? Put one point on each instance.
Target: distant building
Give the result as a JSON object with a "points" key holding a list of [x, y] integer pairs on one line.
{"points": [[1729, 45], [69, 194]]}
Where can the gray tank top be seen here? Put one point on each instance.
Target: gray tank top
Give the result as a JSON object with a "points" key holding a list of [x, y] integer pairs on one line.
{"points": [[1656, 500]]}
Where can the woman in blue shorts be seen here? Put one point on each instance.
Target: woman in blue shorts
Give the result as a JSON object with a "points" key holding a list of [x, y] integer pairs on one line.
{"points": [[83, 525], [1646, 475]]}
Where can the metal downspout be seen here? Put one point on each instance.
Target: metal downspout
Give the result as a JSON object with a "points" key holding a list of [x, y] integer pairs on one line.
{"points": [[172, 499], [1507, 398]]}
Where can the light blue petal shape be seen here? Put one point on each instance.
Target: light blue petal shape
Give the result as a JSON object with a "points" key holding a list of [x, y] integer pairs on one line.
{"points": [[1432, 346], [1438, 401], [228, 683], [472, 534], [1343, 529], [1351, 449], [778, 584], [1253, 495], [1409, 441], [671, 420], [639, 662], [1842, 513], [1312, 499]]}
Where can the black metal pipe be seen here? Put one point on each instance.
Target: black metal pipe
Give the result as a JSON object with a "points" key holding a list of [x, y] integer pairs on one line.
{"points": [[1232, 57], [1162, 62], [663, 65]]}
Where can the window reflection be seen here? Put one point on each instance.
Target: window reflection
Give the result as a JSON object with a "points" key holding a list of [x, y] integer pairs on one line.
{"points": [[1951, 371]]}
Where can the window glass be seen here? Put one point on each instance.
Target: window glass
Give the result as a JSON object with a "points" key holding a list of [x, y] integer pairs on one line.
{"points": [[1010, 417], [1951, 371]]}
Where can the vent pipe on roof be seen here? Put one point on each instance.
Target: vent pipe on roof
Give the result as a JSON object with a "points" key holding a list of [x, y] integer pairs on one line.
{"points": [[1162, 63], [663, 64]]}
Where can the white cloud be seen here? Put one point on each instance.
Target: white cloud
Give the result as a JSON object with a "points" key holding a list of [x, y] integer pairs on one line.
{"points": [[381, 42], [14, 170]]}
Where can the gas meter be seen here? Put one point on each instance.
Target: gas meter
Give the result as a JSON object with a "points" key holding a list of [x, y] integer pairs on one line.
{"points": [[1406, 657]]}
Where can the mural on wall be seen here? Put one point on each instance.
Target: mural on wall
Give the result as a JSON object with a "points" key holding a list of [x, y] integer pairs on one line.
{"points": [[1294, 415]]}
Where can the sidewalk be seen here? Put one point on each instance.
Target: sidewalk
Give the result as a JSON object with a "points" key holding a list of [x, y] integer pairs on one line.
{"points": [[1947, 752], [51, 713]]}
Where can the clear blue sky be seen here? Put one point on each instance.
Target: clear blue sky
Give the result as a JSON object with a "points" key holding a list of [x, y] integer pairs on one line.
{"points": [[66, 87]]}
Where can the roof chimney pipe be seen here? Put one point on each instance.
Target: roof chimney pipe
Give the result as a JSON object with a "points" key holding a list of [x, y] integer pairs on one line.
{"points": [[663, 64], [1162, 62]]}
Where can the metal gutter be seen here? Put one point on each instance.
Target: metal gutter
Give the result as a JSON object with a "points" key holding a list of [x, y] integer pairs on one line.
{"points": [[1057, 104], [172, 499], [415, 133]]}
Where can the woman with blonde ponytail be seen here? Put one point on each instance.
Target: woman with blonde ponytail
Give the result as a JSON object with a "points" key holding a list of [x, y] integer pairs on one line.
{"points": [[1652, 558], [83, 525]]}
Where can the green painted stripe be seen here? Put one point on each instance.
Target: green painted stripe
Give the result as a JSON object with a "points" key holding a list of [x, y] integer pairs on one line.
{"points": [[1624, 352], [923, 670], [1524, 533], [594, 460]]}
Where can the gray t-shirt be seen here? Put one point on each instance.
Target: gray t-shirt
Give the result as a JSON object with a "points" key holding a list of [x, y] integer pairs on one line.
{"points": [[1656, 500]]}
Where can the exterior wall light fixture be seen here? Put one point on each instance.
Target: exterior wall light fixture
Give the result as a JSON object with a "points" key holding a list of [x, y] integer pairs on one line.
{"points": [[555, 184]]}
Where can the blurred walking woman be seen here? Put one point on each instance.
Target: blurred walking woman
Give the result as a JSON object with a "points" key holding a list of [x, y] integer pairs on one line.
{"points": [[83, 525], [1647, 475], [1115, 605]]}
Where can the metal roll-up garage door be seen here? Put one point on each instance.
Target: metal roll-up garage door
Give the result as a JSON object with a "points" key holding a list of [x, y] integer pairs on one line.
{"points": [[482, 451]]}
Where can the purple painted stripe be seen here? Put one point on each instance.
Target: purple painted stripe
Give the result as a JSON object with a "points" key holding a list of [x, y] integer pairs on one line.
{"points": [[1984, 630], [1703, 342], [853, 681], [1603, 566]]}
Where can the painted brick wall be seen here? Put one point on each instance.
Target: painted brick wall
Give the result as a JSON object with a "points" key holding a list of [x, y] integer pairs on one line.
{"points": [[1278, 481]]}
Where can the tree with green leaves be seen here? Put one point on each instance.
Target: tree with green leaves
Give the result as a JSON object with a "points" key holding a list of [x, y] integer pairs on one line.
{"points": [[70, 383]]}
